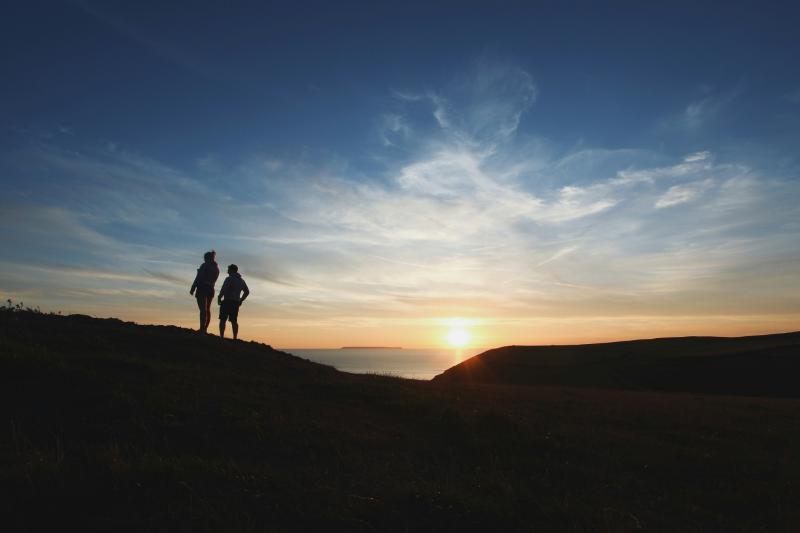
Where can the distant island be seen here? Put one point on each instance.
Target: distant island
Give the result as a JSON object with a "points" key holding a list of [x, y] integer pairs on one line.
{"points": [[371, 348]]}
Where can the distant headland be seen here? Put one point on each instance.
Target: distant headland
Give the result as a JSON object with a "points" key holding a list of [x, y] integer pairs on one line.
{"points": [[371, 348]]}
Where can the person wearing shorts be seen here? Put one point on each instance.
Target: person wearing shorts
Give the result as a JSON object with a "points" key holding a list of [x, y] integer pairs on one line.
{"points": [[203, 288], [232, 295]]}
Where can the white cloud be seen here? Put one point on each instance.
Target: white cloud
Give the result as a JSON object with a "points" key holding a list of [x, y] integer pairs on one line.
{"points": [[576, 202], [676, 195], [557, 255], [691, 166], [697, 156]]}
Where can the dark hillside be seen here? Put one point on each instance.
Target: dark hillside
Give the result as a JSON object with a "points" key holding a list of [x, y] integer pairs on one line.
{"points": [[110, 426], [764, 365]]}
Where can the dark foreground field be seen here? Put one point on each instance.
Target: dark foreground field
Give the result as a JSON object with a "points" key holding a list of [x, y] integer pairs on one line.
{"points": [[110, 426]]}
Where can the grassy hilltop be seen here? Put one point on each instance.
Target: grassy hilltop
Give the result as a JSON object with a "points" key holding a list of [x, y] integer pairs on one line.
{"points": [[760, 365], [110, 426]]}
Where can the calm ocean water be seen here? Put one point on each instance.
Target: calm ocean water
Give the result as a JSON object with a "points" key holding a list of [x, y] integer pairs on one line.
{"points": [[416, 364]]}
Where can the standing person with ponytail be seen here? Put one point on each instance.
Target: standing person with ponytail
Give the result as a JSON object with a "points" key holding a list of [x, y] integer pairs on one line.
{"points": [[203, 286]]}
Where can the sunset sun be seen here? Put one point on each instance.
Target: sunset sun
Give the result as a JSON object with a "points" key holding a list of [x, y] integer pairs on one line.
{"points": [[457, 337]]}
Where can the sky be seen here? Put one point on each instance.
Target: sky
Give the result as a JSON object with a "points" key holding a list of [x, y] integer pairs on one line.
{"points": [[397, 173]]}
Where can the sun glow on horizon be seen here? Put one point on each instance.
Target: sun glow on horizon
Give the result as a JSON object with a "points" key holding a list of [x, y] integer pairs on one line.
{"points": [[458, 334], [458, 337]]}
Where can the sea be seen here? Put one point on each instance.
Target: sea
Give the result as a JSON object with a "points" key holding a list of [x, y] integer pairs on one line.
{"points": [[405, 363]]}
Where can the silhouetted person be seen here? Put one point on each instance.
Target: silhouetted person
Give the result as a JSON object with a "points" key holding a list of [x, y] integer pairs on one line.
{"points": [[233, 293], [204, 282]]}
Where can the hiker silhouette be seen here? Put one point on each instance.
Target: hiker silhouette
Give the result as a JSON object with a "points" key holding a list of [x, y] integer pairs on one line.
{"points": [[203, 287], [233, 293]]}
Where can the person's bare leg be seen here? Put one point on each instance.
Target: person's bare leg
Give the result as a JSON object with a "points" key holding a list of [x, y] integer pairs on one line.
{"points": [[235, 327], [202, 307], [222, 330], [208, 313]]}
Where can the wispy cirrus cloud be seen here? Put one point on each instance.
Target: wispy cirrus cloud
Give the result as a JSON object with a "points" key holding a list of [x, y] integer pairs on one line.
{"points": [[484, 106], [697, 156], [394, 126], [702, 111], [680, 194]]}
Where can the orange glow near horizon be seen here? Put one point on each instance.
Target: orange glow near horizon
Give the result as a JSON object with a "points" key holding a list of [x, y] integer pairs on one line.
{"points": [[458, 332], [457, 338], [473, 336], [262, 323]]}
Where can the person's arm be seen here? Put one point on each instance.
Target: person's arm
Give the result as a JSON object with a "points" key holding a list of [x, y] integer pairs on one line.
{"points": [[245, 290], [222, 291], [194, 285]]}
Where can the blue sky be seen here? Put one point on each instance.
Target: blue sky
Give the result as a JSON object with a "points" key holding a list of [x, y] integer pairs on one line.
{"points": [[536, 172]]}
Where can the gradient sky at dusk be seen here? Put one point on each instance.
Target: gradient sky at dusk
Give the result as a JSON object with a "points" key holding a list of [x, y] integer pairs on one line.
{"points": [[548, 172]]}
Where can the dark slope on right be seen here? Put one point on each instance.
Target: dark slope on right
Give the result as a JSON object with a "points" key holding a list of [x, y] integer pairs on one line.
{"points": [[763, 365]]}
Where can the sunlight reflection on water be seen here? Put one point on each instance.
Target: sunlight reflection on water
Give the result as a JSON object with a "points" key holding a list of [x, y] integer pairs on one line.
{"points": [[416, 364]]}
